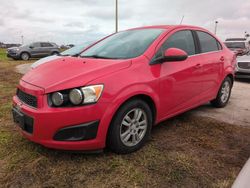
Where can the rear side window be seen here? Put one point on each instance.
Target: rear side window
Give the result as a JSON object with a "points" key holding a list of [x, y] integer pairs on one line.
{"points": [[207, 42], [182, 40], [46, 44]]}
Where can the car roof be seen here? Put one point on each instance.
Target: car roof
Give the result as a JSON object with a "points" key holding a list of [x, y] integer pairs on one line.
{"points": [[168, 27]]}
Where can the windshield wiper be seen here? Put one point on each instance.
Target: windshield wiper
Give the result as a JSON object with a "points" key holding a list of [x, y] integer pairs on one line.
{"points": [[97, 57]]}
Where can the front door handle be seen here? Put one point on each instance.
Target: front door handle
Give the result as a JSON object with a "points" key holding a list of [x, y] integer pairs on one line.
{"points": [[197, 66]]}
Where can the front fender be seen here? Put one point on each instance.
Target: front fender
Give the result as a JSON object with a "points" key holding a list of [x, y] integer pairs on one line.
{"points": [[124, 96]]}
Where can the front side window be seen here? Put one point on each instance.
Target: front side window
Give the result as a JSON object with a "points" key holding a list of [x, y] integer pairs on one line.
{"points": [[36, 45], [182, 40], [124, 45], [207, 42]]}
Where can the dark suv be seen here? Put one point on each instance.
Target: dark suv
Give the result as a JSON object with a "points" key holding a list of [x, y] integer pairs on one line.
{"points": [[36, 49]]}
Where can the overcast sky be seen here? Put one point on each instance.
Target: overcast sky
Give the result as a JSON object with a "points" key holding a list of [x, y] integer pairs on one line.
{"points": [[76, 21]]}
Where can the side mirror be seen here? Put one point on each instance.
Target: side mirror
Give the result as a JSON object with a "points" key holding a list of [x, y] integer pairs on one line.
{"points": [[31, 46], [175, 54]]}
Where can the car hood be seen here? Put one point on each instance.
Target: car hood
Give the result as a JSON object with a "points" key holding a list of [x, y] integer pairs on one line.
{"points": [[245, 58], [13, 48], [70, 72], [44, 60]]}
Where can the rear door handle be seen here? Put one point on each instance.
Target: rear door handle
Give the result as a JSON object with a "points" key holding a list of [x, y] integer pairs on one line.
{"points": [[222, 58]]}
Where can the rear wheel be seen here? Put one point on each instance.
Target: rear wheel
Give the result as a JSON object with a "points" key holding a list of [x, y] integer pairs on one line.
{"points": [[130, 127], [54, 53], [25, 56], [224, 94]]}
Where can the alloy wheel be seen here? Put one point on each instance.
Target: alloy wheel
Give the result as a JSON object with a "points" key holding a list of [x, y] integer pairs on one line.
{"points": [[133, 127], [225, 91]]}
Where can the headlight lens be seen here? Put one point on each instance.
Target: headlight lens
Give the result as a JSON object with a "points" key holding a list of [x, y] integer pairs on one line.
{"points": [[92, 93], [57, 98], [75, 96]]}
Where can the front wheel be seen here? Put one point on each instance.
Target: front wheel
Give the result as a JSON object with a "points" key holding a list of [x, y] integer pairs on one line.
{"points": [[224, 94], [130, 127], [25, 56]]}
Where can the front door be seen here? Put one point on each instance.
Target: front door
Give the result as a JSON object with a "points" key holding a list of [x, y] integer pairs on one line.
{"points": [[179, 81]]}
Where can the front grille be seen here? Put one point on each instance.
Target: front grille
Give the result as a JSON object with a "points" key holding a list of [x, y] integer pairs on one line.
{"points": [[27, 98], [244, 65]]}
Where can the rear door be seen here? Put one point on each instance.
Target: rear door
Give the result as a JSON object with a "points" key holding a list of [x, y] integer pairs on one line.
{"points": [[180, 85], [213, 59], [46, 48]]}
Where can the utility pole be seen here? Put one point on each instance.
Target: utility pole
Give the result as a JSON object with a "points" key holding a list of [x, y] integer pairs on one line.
{"points": [[116, 16], [215, 28], [22, 39]]}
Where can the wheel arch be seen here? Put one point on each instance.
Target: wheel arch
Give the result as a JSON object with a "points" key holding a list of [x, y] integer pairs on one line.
{"points": [[231, 76], [25, 52], [146, 98], [54, 52]]}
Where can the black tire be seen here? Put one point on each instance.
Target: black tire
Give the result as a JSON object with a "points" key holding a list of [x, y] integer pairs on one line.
{"points": [[218, 102], [25, 56], [114, 140]]}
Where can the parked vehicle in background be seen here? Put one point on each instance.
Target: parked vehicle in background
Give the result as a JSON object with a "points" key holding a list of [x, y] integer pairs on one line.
{"points": [[116, 90], [33, 50], [240, 46], [67, 46], [74, 52], [3, 45], [243, 67]]}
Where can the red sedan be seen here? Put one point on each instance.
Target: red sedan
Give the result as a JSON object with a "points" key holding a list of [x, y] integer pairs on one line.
{"points": [[116, 90]]}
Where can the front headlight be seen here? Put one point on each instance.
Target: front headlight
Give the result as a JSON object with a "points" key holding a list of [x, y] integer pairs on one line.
{"points": [[57, 98], [92, 93], [76, 96]]}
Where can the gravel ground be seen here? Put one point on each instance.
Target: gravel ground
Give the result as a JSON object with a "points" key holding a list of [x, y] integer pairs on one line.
{"points": [[236, 112]]}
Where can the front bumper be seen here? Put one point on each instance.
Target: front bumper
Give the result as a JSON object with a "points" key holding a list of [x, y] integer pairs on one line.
{"points": [[13, 55], [242, 75], [49, 122]]}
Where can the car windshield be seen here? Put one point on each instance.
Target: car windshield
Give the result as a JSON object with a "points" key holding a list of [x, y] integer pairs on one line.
{"points": [[235, 44], [123, 45], [76, 50]]}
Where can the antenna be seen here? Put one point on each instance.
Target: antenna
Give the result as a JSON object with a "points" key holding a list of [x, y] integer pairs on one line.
{"points": [[182, 19], [116, 16]]}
